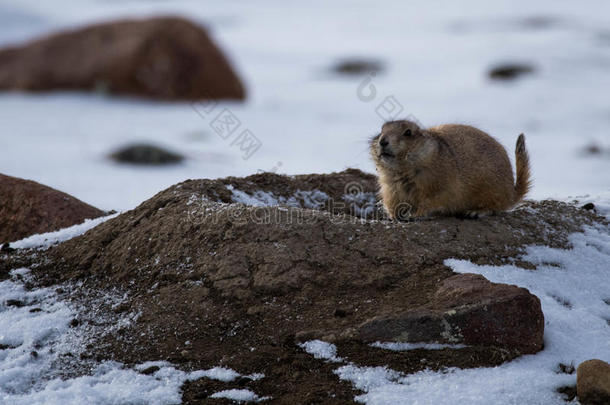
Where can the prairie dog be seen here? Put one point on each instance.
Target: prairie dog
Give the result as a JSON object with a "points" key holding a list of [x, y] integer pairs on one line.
{"points": [[447, 170]]}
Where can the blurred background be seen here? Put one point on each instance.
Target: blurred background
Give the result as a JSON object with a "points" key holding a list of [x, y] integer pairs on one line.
{"points": [[313, 81]]}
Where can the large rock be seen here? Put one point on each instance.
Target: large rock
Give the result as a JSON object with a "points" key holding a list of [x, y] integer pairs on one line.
{"points": [[593, 382], [466, 309], [165, 58], [28, 208], [243, 268]]}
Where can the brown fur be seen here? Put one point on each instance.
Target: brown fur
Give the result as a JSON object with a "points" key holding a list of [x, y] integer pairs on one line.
{"points": [[448, 169]]}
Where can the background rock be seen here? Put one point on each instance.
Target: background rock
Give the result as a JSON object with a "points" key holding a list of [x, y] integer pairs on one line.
{"points": [[593, 382], [357, 66], [145, 154], [510, 71], [28, 208], [166, 57]]}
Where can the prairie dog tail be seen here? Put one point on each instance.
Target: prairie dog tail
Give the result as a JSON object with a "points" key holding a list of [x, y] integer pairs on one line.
{"points": [[524, 182]]}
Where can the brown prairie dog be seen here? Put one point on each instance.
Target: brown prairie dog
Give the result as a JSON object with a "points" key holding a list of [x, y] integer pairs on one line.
{"points": [[447, 170]]}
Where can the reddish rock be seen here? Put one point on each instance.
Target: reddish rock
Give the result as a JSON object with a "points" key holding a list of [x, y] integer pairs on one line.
{"points": [[593, 382], [467, 309], [165, 58], [28, 208]]}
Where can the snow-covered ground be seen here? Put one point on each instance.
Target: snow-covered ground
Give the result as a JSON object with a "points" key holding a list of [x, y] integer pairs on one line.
{"points": [[36, 333], [436, 57]]}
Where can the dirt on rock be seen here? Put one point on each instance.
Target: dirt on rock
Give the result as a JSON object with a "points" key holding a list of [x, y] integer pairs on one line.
{"points": [[217, 282], [163, 57], [28, 208]]}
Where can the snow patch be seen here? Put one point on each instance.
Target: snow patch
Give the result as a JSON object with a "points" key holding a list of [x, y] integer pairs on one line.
{"points": [[399, 346], [217, 373], [239, 395], [321, 350], [45, 240], [313, 199], [601, 202], [361, 204]]}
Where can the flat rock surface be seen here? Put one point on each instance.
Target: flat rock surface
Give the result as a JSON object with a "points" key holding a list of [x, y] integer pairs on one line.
{"points": [[469, 309]]}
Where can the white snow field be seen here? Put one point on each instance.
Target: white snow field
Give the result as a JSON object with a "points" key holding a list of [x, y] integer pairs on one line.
{"points": [[436, 57]]}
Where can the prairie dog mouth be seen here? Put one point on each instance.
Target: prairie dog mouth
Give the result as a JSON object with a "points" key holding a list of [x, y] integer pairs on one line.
{"points": [[386, 155]]}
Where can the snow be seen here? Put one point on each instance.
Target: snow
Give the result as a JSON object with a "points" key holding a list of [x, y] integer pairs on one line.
{"points": [[217, 373], [239, 395], [361, 204], [601, 202], [312, 199], [110, 383], [258, 199], [402, 346], [321, 350], [311, 120], [46, 240]]}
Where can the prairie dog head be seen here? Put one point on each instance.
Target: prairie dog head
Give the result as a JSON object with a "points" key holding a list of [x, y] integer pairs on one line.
{"points": [[401, 145]]}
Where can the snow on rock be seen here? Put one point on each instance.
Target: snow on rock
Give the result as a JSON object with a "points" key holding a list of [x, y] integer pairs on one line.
{"points": [[239, 395], [321, 350], [46, 240], [400, 346], [313, 199], [217, 373], [258, 199], [593, 382], [361, 204]]}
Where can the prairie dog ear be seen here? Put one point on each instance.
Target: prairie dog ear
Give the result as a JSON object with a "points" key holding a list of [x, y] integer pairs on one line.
{"points": [[425, 149]]}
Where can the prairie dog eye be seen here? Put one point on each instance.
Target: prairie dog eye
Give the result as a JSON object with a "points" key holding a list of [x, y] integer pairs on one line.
{"points": [[407, 132]]}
